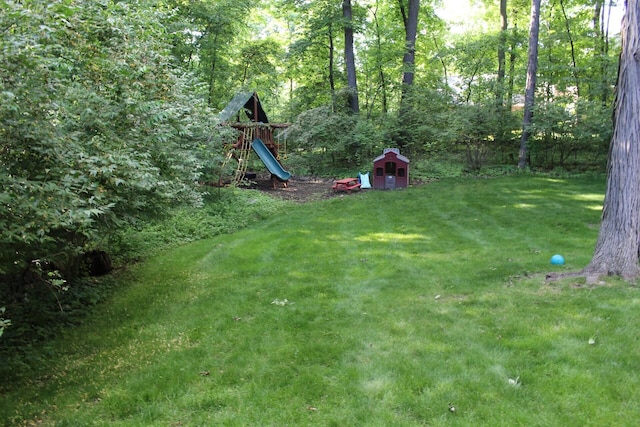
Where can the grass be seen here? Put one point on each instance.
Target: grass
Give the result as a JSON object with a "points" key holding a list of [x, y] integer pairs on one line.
{"points": [[375, 309]]}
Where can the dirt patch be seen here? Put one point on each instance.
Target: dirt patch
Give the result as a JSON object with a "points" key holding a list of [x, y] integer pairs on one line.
{"points": [[299, 189]]}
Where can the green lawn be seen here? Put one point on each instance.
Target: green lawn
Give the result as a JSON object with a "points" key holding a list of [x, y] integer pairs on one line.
{"points": [[376, 309]]}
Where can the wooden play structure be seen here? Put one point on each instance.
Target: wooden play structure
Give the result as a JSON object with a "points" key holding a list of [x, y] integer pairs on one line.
{"points": [[256, 135], [390, 170]]}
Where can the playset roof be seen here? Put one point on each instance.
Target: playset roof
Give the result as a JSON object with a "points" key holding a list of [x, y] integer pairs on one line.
{"points": [[248, 101], [394, 151]]}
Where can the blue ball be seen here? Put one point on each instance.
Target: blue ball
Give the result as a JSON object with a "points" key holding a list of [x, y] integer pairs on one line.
{"points": [[557, 260]]}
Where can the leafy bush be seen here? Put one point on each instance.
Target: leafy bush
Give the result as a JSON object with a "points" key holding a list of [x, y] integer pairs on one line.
{"points": [[425, 127], [97, 130], [325, 140], [224, 210], [571, 136], [45, 308]]}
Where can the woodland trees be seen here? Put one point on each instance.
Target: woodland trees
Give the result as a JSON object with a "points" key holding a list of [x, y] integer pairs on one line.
{"points": [[349, 56], [291, 52], [530, 88]]}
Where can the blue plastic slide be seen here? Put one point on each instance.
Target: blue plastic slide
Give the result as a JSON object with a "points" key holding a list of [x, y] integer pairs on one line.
{"points": [[269, 160]]}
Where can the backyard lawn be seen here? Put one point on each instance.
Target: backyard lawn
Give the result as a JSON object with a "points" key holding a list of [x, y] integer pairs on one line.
{"points": [[419, 307]]}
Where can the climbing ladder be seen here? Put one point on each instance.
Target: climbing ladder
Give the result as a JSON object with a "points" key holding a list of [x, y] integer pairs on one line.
{"points": [[241, 149], [243, 163], [244, 154]]}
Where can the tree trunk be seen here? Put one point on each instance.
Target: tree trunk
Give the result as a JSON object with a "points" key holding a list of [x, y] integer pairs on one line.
{"points": [[444, 66], [599, 51], [332, 83], [501, 54], [597, 13], [410, 20], [349, 56], [212, 76], [512, 61], [574, 67], [532, 70], [603, 48], [379, 62], [411, 31], [616, 251]]}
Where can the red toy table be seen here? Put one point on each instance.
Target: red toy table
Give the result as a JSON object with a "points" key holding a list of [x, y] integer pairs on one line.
{"points": [[346, 184]]}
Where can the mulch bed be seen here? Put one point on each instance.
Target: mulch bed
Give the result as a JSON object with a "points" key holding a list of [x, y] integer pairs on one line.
{"points": [[298, 189]]}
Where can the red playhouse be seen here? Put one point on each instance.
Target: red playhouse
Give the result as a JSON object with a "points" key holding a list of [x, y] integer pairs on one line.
{"points": [[390, 170]]}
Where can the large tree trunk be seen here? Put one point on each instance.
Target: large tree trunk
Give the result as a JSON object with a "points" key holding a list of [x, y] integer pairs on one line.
{"points": [[349, 56], [616, 251], [532, 70], [410, 19]]}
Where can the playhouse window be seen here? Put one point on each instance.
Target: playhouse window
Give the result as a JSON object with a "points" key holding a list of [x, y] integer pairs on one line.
{"points": [[390, 168], [379, 172], [401, 172]]}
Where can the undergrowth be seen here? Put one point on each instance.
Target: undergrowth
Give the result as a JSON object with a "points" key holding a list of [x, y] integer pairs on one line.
{"points": [[45, 311], [225, 210]]}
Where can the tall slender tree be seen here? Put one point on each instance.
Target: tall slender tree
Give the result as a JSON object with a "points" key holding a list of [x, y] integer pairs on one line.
{"points": [[532, 70], [502, 47], [410, 19], [409, 13], [379, 61], [570, 37], [349, 56], [213, 29]]}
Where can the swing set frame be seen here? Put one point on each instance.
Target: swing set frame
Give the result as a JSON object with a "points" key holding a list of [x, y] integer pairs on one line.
{"points": [[257, 128]]}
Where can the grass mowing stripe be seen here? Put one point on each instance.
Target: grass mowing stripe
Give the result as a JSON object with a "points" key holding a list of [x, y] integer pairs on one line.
{"points": [[376, 309]]}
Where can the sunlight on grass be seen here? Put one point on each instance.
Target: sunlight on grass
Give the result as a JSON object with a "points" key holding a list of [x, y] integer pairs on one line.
{"points": [[554, 180], [391, 237], [435, 301], [587, 197]]}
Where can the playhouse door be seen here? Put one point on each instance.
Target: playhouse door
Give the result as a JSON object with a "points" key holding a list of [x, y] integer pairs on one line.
{"points": [[390, 182], [390, 175]]}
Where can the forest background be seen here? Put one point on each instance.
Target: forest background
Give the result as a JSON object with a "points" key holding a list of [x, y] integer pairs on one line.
{"points": [[108, 108]]}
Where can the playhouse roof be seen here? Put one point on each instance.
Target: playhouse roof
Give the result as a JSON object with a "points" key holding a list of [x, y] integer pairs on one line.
{"points": [[248, 101], [391, 150]]}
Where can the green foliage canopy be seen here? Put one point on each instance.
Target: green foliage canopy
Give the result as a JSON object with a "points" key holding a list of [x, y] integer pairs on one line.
{"points": [[97, 127]]}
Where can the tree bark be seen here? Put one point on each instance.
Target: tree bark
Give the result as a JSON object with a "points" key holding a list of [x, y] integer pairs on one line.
{"points": [[532, 70], [616, 251], [512, 61], [349, 56], [411, 31], [379, 62], [574, 68], [332, 81], [410, 20], [444, 67], [501, 54], [601, 26], [212, 76]]}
